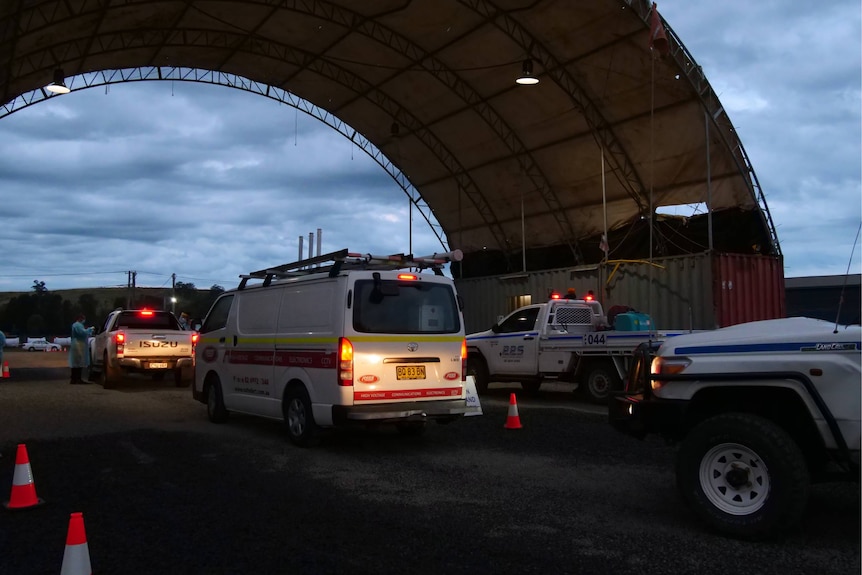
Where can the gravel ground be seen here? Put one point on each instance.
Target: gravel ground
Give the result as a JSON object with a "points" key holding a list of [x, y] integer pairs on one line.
{"points": [[163, 490]]}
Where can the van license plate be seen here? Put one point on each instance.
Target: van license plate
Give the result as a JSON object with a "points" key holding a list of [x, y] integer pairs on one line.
{"points": [[153, 365], [410, 372]]}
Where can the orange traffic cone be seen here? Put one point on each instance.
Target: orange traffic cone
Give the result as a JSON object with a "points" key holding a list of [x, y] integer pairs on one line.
{"points": [[23, 489], [513, 421], [76, 557], [5, 369]]}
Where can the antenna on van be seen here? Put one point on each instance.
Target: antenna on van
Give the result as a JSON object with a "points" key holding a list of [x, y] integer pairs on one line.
{"points": [[846, 275]]}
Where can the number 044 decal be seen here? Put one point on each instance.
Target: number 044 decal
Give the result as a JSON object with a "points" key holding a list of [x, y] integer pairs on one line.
{"points": [[595, 339]]}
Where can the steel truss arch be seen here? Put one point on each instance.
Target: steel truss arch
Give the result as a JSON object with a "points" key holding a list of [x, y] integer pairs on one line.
{"points": [[149, 73], [116, 41]]}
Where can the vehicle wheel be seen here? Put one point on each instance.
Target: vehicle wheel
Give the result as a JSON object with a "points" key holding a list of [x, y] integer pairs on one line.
{"points": [[743, 475], [31, 349], [600, 378], [531, 387], [477, 367], [110, 374], [412, 428], [216, 411], [298, 417]]}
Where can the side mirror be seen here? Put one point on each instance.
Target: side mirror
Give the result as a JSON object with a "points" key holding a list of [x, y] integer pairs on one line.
{"points": [[495, 328]]}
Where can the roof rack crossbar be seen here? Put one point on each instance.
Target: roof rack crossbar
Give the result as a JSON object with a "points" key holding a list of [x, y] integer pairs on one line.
{"points": [[335, 262]]}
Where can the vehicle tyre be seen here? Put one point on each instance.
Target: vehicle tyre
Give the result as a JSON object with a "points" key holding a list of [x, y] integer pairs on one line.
{"points": [[600, 379], [477, 367], [743, 475], [31, 348], [531, 387], [216, 411], [412, 428], [110, 374], [298, 417]]}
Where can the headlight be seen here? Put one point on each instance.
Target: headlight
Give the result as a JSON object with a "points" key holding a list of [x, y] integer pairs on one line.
{"points": [[666, 366]]}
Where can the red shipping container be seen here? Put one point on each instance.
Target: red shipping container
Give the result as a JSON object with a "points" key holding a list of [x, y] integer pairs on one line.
{"points": [[747, 288]]}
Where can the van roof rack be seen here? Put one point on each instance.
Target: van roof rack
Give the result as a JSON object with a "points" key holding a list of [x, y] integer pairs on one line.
{"points": [[335, 262]]}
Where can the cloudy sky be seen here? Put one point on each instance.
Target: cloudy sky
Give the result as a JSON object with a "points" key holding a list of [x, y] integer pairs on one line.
{"points": [[144, 176]]}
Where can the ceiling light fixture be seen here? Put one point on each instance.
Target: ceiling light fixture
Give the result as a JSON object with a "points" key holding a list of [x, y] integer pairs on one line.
{"points": [[527, 78], [58, 86]]}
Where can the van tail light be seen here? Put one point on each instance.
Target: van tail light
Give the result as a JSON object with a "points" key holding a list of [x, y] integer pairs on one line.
{"points": [[120, 340], [345, 362], [195, 337], [463, 360]]}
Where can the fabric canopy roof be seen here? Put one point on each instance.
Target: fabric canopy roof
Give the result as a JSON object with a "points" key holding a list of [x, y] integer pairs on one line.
{"points": [[611, 128]]}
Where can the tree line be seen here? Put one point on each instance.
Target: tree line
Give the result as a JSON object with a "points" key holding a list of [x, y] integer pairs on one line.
{"points": [[43, 313]]}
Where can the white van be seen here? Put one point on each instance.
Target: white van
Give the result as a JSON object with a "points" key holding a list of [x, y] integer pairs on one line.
{"points": [[356, 341]]}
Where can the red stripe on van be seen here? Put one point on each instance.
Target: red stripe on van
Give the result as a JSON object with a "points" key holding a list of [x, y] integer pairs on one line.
{"points": [[314, 359], [248, 357], [407, 393]]}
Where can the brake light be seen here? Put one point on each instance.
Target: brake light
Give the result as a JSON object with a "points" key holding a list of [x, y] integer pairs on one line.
{"points": [[195, 337], [146, 312], [120, 341], [589, 296], [463, 360], [666, 366], [345, 362], [406, 276]]}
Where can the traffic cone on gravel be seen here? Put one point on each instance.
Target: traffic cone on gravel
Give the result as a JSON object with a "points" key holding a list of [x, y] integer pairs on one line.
{"points": [[76, 557], [5, 369], [513, 421], [23, 489]]}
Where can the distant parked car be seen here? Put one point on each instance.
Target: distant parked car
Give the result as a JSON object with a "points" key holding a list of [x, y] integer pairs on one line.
{"points": [[40, 344]]}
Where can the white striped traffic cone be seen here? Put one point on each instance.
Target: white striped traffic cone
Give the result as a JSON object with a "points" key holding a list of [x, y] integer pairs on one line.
{"points": [[513, 420], [5, 369], [76, 556], [23, 494]]}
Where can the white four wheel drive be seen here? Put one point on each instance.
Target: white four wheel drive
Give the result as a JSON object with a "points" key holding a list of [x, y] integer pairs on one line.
{"points": [[759, 410]]}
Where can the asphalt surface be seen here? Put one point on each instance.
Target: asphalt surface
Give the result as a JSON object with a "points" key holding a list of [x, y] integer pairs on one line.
{"points": [[162, 490]]}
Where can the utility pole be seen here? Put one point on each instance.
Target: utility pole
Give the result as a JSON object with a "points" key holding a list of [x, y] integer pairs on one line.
{"points": [[173, 293]]}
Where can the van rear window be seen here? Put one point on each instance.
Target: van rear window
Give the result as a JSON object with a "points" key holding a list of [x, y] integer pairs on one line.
{"points": [[390, 306]]}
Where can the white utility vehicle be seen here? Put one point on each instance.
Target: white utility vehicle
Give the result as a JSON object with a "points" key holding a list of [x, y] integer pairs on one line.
{"points": [[337, 340], [760, 410], [565, 339], [142, 341]]}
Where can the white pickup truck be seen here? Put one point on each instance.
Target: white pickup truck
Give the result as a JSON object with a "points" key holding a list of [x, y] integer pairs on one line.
{"points": [[759, 410], [142, 341], [564, 339]]}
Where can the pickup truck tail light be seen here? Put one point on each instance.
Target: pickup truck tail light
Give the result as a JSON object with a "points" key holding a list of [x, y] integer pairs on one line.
{"points": [[345, 362], [195, 337], [666, 366], [120, 341]]}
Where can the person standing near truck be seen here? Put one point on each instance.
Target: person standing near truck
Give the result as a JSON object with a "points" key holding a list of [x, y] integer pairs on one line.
{"points": [[78, 356]]}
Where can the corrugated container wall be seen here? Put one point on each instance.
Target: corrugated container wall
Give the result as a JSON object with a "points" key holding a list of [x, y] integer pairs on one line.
{"points": [[699, 291], [747, 288]]}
